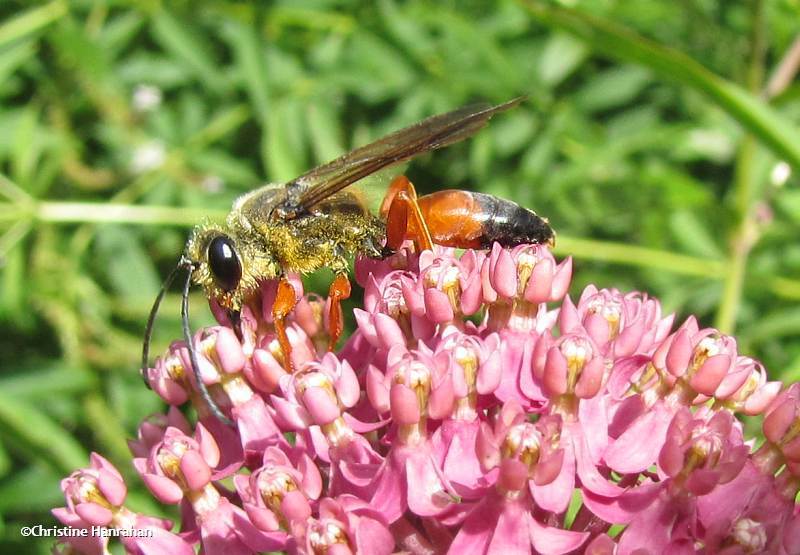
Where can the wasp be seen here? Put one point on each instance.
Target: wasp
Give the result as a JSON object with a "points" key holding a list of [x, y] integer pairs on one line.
{"points": [[315, 221]]}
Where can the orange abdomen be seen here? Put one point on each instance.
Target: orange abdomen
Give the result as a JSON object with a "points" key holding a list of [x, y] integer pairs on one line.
{"points": [[476, 220]]}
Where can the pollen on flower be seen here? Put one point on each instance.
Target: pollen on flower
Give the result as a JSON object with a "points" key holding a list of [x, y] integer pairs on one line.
{"points": [[274, 484], [750, 535], [324, 535], [576, 351], [88, 491], [610, 309], [525, 262], [169, 458], [706, 448], [174, 367], [523, 441], [393, 302], [314, 379]]}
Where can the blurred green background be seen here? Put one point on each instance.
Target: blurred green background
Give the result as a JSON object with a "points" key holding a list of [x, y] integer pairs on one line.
{"points": [[660, 139]]}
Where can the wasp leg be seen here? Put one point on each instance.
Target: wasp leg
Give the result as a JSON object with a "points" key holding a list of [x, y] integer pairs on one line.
{"points": [[285, 301], [404, 218], [339, 291]]}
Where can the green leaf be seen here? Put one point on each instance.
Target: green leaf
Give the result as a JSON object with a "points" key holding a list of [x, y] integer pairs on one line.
{"points": [[130, 271], [250, 59], [620, 42], [31, 21], [46, 378], [324, 125], [613, 88], [120, 31], [179, 39], [561, 57], [13, 57], [789, 202], [689, 231], [779, 323], [39, 433], [283, 147], [33, 489]]}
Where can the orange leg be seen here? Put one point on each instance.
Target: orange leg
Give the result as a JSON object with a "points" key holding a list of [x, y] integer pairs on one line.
{"points": [[285, 301], [404, 218], [339, 290]]}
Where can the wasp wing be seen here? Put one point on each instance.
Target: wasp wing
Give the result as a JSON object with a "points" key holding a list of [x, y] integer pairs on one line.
{"points": [[311, 188]]}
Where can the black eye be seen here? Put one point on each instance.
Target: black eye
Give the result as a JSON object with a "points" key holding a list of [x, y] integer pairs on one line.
{"points": [[224, 263]]}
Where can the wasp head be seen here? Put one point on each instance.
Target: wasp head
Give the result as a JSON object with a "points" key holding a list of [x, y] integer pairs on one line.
{"points": [[228, 264]]}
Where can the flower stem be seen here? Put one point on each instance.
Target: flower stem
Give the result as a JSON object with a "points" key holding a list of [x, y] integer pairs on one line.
{"points": [[746, 233], [89, 212], [639, 256]]}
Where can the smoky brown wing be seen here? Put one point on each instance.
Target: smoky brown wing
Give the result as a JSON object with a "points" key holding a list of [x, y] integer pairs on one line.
{"points": [[429, 134]]}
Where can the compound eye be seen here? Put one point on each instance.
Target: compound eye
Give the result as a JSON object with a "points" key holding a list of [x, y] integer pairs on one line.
{"points": [[224, 263]]}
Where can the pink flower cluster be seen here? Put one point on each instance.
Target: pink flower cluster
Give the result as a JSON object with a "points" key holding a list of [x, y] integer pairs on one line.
{"points": [[470, 412]]}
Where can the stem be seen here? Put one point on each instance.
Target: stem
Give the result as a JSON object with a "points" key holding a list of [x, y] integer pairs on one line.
{"points": [[784, 74], [589, 249], [88, 212], [746, 233]]}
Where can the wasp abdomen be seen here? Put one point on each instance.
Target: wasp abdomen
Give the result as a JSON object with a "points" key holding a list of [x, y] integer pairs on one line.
{"points": [[476, 220]]}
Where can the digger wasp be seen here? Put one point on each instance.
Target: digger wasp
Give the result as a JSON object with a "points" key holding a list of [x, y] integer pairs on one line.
{"points": [[314, 221]]}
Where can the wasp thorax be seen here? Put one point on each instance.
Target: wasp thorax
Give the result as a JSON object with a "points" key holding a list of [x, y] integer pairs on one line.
{"points": [[223, 261]]}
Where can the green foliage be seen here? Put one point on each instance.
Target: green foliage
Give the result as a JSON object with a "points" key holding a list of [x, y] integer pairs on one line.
{"points": [[657, 138]]}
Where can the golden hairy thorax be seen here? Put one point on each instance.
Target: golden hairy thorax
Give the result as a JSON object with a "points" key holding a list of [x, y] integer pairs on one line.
{"points": [[334, 231]]}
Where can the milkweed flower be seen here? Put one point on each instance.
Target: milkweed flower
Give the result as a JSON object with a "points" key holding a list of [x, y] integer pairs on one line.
{"points": [[475, 402]]}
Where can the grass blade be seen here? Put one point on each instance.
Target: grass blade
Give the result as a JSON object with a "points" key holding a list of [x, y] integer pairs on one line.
{"points": [[620, 42]]}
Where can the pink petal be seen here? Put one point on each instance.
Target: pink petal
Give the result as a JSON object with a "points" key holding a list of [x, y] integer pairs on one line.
{"points": [[229, 351], [511, 535], [94, 514], [164, 489], [503, 273], [638, 447], [426, 492], [591, 378], [591, 478], [627, 341], [292, 417], [679, 354], [366, 326], [555, 373], [568, 317], [540, 282], [710, 374], [208, 445], [347, 387], [319, 404], [373, 537], [266, 371], [762, 398], [471, 296], [489, 374], [562, 280], [263, 518], [597, 328], [553, 541], [195, 470], [377, 391], [442, 400], [556, 495], [388, 332], [295, 507], [404, 405], [437, 306], [112, 487]]}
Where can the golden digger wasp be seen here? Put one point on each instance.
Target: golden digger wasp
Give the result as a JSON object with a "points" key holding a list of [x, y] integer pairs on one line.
{"points": [[314, 221]]}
